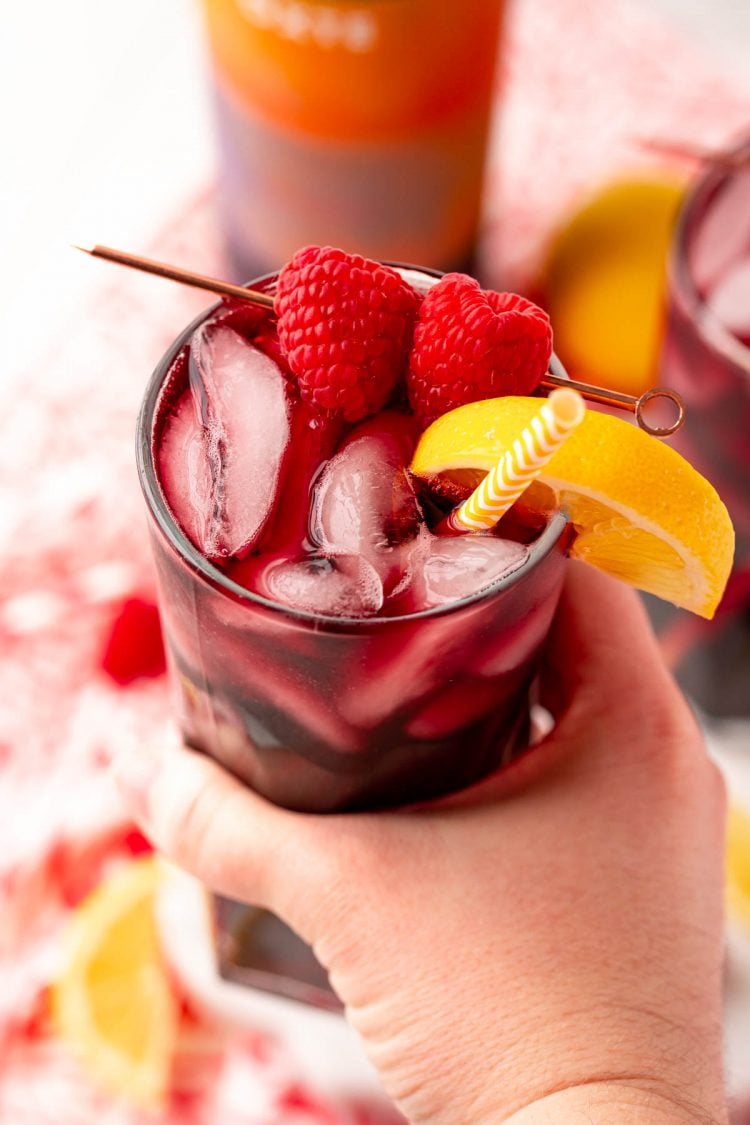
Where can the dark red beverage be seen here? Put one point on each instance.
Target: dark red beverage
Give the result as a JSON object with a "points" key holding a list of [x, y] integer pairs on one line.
{"points": [[326, 645], [706, 357], [707, 348]]}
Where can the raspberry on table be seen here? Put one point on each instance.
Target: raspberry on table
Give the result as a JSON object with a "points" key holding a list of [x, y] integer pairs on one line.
{"points": [[134, 648], [345, 324], [471, 344]]}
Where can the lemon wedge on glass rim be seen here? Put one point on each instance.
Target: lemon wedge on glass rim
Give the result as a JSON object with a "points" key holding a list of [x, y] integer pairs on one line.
{"points": [[113, 1003], [640, 511]]}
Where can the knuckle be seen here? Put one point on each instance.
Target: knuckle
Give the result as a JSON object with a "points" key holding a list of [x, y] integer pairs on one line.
{"points": [[674, 719], [682, 763], [186, 825], [207, 832], [669, 735]]}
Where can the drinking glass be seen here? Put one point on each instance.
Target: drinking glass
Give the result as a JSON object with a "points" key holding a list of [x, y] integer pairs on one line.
{"points": [[326, 714], [706, 357]]}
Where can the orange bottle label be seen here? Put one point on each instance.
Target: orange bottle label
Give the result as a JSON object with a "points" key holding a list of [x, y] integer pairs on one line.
{"points": [[364, 69]]}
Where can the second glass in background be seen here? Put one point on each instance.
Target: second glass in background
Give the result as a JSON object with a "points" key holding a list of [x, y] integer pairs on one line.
{"points": [[360, 125], [706, 357]]}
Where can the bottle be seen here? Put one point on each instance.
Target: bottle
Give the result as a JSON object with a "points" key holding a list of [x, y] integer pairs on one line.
{"points": [[356, 123]]}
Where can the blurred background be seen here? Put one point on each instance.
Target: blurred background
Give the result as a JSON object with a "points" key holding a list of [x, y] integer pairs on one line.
{"points": [[117, 127]]}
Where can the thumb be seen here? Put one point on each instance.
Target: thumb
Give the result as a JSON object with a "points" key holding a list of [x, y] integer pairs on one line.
{"points": [[230, 838]]}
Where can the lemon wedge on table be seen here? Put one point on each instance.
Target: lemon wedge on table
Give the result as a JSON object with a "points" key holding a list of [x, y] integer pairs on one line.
{"points": [[113, 1003], [641, 513], [605, 278], [738, 862]]}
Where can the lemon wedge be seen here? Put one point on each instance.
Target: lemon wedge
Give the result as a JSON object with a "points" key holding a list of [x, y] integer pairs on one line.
{"points": [[605, 279], [738, 863], [641, 513], [113, 1003]]}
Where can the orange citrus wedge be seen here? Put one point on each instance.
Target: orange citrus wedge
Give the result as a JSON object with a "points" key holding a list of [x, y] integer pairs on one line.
{"points": [[738, 863], [113, 1002], [640, 511], [605, 278]]}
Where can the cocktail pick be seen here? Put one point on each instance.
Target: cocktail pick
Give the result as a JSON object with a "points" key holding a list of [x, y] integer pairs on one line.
{"points": [[176, 273], [635, 404], [688, 150]]}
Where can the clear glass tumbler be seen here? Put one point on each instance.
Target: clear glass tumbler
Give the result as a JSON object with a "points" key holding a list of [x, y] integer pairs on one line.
{"points": [[706, 357], [326, 714]]}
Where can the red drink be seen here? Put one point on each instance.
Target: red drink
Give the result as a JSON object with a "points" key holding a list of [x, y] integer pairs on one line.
{"points": [[707, 350], [326, 646], [706, 357]]}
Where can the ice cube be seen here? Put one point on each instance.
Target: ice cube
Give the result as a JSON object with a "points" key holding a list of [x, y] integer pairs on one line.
{"points": [[463, 702], [729, 300], [455, 567], [222, 451], [723, 236], [313, 439], [270, 630], [278, 698], [400, 667], [209, 723], [364, 503], [300, 701], [260, 678], [513, 646], [397, 670], [344, 586], [184, 472]]}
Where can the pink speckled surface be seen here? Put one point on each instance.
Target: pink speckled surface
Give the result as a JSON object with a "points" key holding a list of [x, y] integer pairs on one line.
{"points": [[581, 79]]}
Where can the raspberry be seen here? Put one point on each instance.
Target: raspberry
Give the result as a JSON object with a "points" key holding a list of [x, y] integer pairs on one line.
{"points": [[134, 647], [345, 324], [471, 344]]}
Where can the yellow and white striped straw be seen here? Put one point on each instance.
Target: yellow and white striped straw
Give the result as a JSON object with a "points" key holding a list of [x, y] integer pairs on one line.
{"points": [[522, 462]]}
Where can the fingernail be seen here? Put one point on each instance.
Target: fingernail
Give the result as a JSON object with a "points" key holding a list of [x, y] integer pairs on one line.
{"points": [[136, 770]]}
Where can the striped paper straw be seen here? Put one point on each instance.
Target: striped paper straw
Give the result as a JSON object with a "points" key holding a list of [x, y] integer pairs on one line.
{"points": [[556, 420]]}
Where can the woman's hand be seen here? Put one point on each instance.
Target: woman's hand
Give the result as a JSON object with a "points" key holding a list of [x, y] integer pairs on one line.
{"points": [[545, 946]]}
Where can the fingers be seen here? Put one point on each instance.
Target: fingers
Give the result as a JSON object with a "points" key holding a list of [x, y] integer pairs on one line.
{"points": [[207, 822], [601, 648], [619, 713]]}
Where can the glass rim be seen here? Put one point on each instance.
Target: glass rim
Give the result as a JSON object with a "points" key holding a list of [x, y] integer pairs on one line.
{"points": [[178, 541], [710, 329]]}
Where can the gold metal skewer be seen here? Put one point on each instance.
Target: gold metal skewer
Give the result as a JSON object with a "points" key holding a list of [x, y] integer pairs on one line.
{"points": [[226, 288], [635, 404], [688, 150], [176, 273]]}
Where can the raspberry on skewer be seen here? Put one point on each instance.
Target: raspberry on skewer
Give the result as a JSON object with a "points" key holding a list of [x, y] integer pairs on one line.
{"points": [[471, 344], [345, 324]]}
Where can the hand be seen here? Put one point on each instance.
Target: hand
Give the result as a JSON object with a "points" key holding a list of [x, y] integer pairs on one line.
{"points": [[543, 945]]}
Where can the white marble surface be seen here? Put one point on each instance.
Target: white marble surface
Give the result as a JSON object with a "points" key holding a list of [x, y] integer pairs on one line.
{"points": [[722, 26], [105, 131], [104, 123]]}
